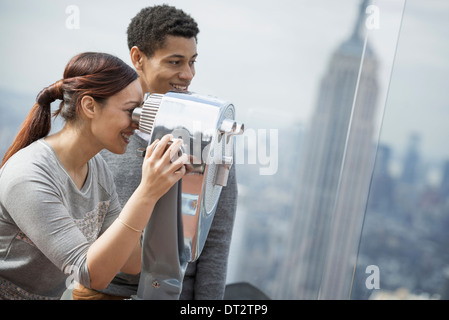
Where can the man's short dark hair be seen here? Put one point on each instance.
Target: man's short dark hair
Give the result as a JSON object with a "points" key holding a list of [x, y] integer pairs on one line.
{"points": [[149, 28]]}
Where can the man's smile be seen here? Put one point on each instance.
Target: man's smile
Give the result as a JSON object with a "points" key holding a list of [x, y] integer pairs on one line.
{"points": [[179, 87]]}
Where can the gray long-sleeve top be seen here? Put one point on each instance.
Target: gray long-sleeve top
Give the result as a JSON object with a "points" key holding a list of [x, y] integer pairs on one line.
{"points": [[47, 224]]}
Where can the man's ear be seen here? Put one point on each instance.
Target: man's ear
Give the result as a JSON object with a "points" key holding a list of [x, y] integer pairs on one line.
{"points": [[89, 107], [137, 57]]}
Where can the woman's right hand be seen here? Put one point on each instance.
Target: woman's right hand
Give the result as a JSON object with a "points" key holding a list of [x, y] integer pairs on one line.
{"points": [[159, 173]]}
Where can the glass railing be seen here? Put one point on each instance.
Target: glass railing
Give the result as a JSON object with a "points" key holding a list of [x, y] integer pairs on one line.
{"points": [[403, 251], [300, 230]]}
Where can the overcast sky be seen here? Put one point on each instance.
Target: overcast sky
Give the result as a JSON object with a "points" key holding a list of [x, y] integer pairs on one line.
{"points": [[267, 56]]}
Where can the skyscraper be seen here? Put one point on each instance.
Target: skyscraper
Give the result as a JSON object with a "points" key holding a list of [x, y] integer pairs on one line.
{"points": [[410, 169], [334, 174]]}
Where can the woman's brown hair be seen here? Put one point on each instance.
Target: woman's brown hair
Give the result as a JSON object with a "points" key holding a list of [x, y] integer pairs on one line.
{"points": [[95, 74]]}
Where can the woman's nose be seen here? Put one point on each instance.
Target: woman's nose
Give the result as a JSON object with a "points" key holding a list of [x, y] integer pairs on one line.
{"points": [[134, 124]]}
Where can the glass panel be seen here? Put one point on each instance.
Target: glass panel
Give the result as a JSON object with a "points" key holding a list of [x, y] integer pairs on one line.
{"points": [[299, 228], [404, 245]]}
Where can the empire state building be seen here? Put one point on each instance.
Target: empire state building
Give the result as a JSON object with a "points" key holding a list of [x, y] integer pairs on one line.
{"points": [[334, 173]]}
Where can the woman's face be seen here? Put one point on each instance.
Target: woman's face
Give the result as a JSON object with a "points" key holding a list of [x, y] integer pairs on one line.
{"points": [[113, 126]]}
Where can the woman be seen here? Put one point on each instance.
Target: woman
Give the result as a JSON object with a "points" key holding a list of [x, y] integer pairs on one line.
{"points": [[59, 211]]}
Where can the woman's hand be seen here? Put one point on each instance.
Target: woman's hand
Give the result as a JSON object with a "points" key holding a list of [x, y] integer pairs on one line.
{"points": [[159, 173]]}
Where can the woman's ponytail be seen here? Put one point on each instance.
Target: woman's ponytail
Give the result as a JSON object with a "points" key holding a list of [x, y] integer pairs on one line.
{"points": [[95, 74], [50, 94], [38, 122]]}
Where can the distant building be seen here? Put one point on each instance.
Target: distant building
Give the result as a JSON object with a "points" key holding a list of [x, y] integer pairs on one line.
{"points": [[410, 172], [382, 187], [445, 180]]}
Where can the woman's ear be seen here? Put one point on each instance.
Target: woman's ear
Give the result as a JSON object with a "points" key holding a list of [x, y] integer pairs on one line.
{"points": [[137, 57], [89, 107]]}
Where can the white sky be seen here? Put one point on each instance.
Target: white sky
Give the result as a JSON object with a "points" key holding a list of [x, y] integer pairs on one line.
{"points": [[267, 57]]}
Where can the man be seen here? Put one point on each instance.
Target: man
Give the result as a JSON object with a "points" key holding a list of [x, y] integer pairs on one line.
{"points": [[162, 42]]}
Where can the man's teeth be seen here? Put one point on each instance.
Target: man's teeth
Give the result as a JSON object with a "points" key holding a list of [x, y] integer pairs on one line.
{"points": [[178, 87]]}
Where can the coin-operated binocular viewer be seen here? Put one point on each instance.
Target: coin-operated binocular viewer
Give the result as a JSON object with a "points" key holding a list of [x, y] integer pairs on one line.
{"points": [[180, 223]]}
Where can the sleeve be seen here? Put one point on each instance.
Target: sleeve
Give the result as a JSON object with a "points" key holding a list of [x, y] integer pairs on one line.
{"points": [[37, 209], [106, 179], [211, 266], [114, 210]]}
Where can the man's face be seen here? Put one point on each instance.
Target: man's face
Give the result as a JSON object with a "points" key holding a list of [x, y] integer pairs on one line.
{"points": [[171, 68]]}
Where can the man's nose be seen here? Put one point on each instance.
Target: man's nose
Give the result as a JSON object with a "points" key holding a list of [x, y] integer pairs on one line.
{"points": [[187, 73]]}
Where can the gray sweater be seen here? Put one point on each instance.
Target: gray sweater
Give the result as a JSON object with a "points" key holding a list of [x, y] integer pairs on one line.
{"points": [[206, 277], [47, 224]]}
